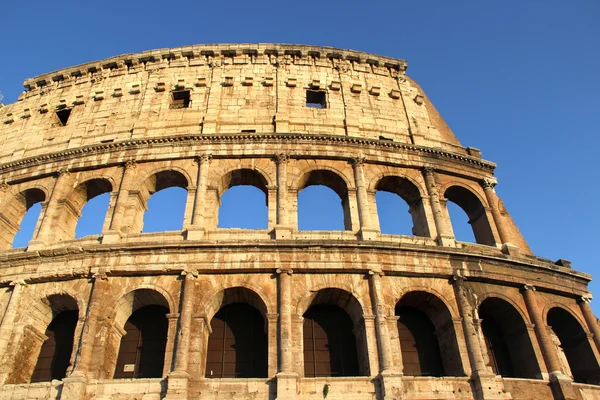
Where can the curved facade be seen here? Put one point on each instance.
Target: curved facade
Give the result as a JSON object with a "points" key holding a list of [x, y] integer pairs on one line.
{"points": [[206, 312]]}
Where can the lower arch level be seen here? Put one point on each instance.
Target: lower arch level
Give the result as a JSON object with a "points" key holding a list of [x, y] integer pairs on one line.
{"points": [[222, 334]]}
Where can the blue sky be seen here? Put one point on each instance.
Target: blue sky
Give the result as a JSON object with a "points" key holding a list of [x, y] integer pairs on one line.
{"points": [[517, 79]]}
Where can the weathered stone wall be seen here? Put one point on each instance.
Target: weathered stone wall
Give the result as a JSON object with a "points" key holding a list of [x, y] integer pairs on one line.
{"points": [[128, 137]]}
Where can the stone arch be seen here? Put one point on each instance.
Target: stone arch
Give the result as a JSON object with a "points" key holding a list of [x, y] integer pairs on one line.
{"points": [[428, 339], [70, 212], [475, 208], [494, 294], [306, 300], [14, 210], [139, 334], [331, 178], [554, 304], [508, 344], [162, 177], [573, 347], [237, 343], [334, 334], [46, 346], [411, 193], [240, 293]]}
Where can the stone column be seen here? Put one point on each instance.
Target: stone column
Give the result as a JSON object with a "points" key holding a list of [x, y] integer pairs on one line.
{"points": [[485, 384], [116, 223], [272, 328], [7, 326], [198, 228], [177, 384], [383, 337], [560, 383], [590, 319], [286, 377], [283, 230], [444, 235], [367, 232], [493, 201], [47, 225]]}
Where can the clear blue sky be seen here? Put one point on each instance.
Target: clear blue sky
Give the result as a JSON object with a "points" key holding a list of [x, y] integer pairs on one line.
{"points": [[517, 79]]}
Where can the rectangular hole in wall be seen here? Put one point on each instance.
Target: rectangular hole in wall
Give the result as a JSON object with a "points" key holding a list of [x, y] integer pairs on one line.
{"points": [[248, 130], [63, 116], [181, 99], [316, 99]]}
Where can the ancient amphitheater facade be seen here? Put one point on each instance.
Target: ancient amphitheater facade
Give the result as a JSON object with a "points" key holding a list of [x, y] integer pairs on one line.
{"points": [[211, 313]]}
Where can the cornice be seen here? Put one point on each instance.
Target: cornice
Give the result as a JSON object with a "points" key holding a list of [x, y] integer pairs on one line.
{"points": [[229, 138]]}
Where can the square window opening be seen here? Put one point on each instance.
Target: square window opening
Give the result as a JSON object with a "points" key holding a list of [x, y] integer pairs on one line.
{"points": [[181, 99], [316, 99], [63, 116]]}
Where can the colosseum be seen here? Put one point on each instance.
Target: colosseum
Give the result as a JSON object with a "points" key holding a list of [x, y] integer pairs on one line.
{"points": [[206, 312]]}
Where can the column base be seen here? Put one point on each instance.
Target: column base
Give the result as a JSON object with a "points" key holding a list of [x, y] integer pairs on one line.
{"points": [[562, 387], [282, 232], [392, 387], [177, 385], [446, 241], [368, 234], [74, 387], [287, 386], [195, 233], [487, 386], [110, 237], [37, 244], [510, 249]]}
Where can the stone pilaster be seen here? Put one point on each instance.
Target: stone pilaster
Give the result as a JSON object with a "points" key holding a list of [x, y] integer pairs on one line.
{"points": [[198, 228], [116, 223], [286, 377], [560, 383], [590, 319], [367, 231], [484, 382], [488, 185], [444, 235], [283, 229], [8, 324]]}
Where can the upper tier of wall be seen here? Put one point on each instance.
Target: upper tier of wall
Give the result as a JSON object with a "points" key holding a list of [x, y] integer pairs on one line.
{"points": [[232, 89]]}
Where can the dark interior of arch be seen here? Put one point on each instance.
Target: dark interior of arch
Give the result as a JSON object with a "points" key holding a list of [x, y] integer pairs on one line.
{"points": [[166, 179], [142, 349], [471, 205], [245, 176], [96, 187], [55, 354], [33, 196], [237, 345], [329, 342], [427, 336], [507, 340], [406, 190], [575, 344]]}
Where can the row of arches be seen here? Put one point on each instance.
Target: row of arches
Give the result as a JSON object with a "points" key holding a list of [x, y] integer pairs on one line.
{"points": [[160, 203], [333, 336]]}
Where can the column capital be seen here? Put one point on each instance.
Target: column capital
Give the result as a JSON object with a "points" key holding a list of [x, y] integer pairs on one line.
{"points": [[20, 282], [63, 172], [488, 183], [526, 288], [587, 298], [4, 187], [373, 272], [281, 158], [359, 160], [130, 164], [189, 274], [203, 158], [101, 275], [428, 170], [272, 317], [287, 271]]}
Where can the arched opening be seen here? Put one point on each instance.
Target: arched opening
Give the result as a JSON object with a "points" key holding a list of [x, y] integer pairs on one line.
{"points": [[394, 196], [427, 336], [318, 207], [143, 315], [93, 215], [55, 354], [165, 203], [472, 206], [244, 200], [27, 226], [12, 218], [237, 345], [72, 222], [507, 341], [142, 349], [573, 347], [330, 330]]}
